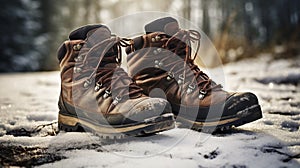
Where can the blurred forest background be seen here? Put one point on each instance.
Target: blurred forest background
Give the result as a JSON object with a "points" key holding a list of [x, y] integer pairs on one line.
{"points": [[32, 30]]}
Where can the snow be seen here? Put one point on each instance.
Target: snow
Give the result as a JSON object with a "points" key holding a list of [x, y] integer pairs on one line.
{"points": [[28, 100]]}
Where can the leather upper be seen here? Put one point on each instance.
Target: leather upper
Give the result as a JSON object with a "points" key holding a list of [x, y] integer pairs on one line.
{"points": [[92, 80]]}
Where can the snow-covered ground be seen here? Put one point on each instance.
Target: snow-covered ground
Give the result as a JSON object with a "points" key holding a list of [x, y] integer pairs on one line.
{"points": [[28, 107]]}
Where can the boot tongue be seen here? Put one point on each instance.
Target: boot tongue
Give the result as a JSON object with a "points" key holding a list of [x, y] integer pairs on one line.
{"points": [[92, 33], [167, 25]]}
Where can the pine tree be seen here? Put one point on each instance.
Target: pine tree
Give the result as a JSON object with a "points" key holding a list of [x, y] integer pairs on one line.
{"points": [[18, 24]]}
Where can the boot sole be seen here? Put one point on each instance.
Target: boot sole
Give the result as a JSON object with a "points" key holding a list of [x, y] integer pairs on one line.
{"points": [[148, 126], [245, 116]]}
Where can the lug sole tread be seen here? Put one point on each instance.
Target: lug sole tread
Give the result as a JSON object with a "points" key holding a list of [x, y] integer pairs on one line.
{"points": [[255, 113], [152, 126]]}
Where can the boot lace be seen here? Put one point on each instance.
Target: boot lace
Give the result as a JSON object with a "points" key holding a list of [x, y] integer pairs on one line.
{"points": [[180, 44], [111, 76]]}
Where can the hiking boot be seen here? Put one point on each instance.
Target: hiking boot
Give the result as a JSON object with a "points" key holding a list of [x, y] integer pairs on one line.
{"points": [[97, 95], [161, 62]]}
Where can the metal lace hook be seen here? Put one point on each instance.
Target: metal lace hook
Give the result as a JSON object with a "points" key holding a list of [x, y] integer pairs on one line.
{"points": [[93, 49]]}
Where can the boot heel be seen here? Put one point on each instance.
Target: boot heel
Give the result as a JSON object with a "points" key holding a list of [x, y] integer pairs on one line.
{"points": [[69, 124], [68, 128]]}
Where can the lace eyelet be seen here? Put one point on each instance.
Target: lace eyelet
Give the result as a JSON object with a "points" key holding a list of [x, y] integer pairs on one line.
{"points": [[170, 76], [98, 87], [153, 39], [181, 79], [78, 58], [116, 100], [202, 94], [77, 47], [107, 94], [157, 51], [191, 88], [77, 69], [87, 83], [158, 64], [157, 38]]}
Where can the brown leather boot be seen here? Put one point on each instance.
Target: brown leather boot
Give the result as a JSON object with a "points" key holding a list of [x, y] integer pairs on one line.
{"points": [[162, 59], [98, 95]]}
